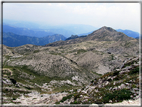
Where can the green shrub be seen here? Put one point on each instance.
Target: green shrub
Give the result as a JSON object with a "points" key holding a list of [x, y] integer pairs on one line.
{"points": [[81, 51], [76, 96], [129, 63], [134, 86], [134, 71], [118, 95], [115, 73], [65, 98], [111, 57], [118, 77], [36, 51], [75, 102], [99, 101], [14, 98]]}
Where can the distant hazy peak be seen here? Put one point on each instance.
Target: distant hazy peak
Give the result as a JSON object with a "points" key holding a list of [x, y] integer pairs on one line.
{"points": [[107, 28], [108, 34]]}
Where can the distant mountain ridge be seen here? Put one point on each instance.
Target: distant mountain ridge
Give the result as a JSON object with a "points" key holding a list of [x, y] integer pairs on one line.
{"points": [[75, 36], [73, 28], [65, 31], [14, 40], [34, 29], [102, 34], [129, 33], [30, 32]]}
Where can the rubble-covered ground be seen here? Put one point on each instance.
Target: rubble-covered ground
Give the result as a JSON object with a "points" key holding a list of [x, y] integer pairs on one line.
{"points": [[113, 87]]}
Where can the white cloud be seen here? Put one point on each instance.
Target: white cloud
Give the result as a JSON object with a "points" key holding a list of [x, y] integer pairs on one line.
{"points": [[116, 15]]}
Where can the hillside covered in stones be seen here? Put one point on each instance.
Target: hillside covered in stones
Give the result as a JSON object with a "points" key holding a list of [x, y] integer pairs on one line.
{"points": [[116, 86], [56, 69]]}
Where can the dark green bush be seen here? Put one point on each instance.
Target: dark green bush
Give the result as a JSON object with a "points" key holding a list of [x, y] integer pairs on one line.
{"points": [[65, 98], [36, 51], [75, 102], [112, 57], [134, 71], [119, 77], [14, 98], [81, 51], [115, 73], [118, 95], [99, 101], [76, 96], [129, 63]]}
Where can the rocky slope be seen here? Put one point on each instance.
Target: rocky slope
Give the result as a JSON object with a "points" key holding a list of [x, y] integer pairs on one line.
{"points": [[55, 69], [121, 84], [113, 87]]}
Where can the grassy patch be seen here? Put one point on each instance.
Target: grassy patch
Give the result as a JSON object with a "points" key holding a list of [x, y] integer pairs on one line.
{"points": [[81, 51], [25, 75], [38, 78], [65, 98], [36, 51]]}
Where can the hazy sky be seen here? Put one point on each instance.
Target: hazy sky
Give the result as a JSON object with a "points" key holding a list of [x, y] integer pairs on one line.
{"points": [[115, 15]]}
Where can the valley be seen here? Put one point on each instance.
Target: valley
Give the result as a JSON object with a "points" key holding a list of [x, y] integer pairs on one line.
{"points": [[74, 71]]}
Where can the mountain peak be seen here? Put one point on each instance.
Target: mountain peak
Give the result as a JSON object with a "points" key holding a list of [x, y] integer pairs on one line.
{"points": [[102, 34], [107, 28], [108, 34]]}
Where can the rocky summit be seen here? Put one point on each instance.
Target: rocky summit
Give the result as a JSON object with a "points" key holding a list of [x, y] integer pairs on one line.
{"points": [[73, 71], [102, 34]]}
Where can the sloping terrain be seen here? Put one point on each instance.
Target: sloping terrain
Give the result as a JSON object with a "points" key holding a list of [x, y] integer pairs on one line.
{"points": [[121, 84], [57, 69]]}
